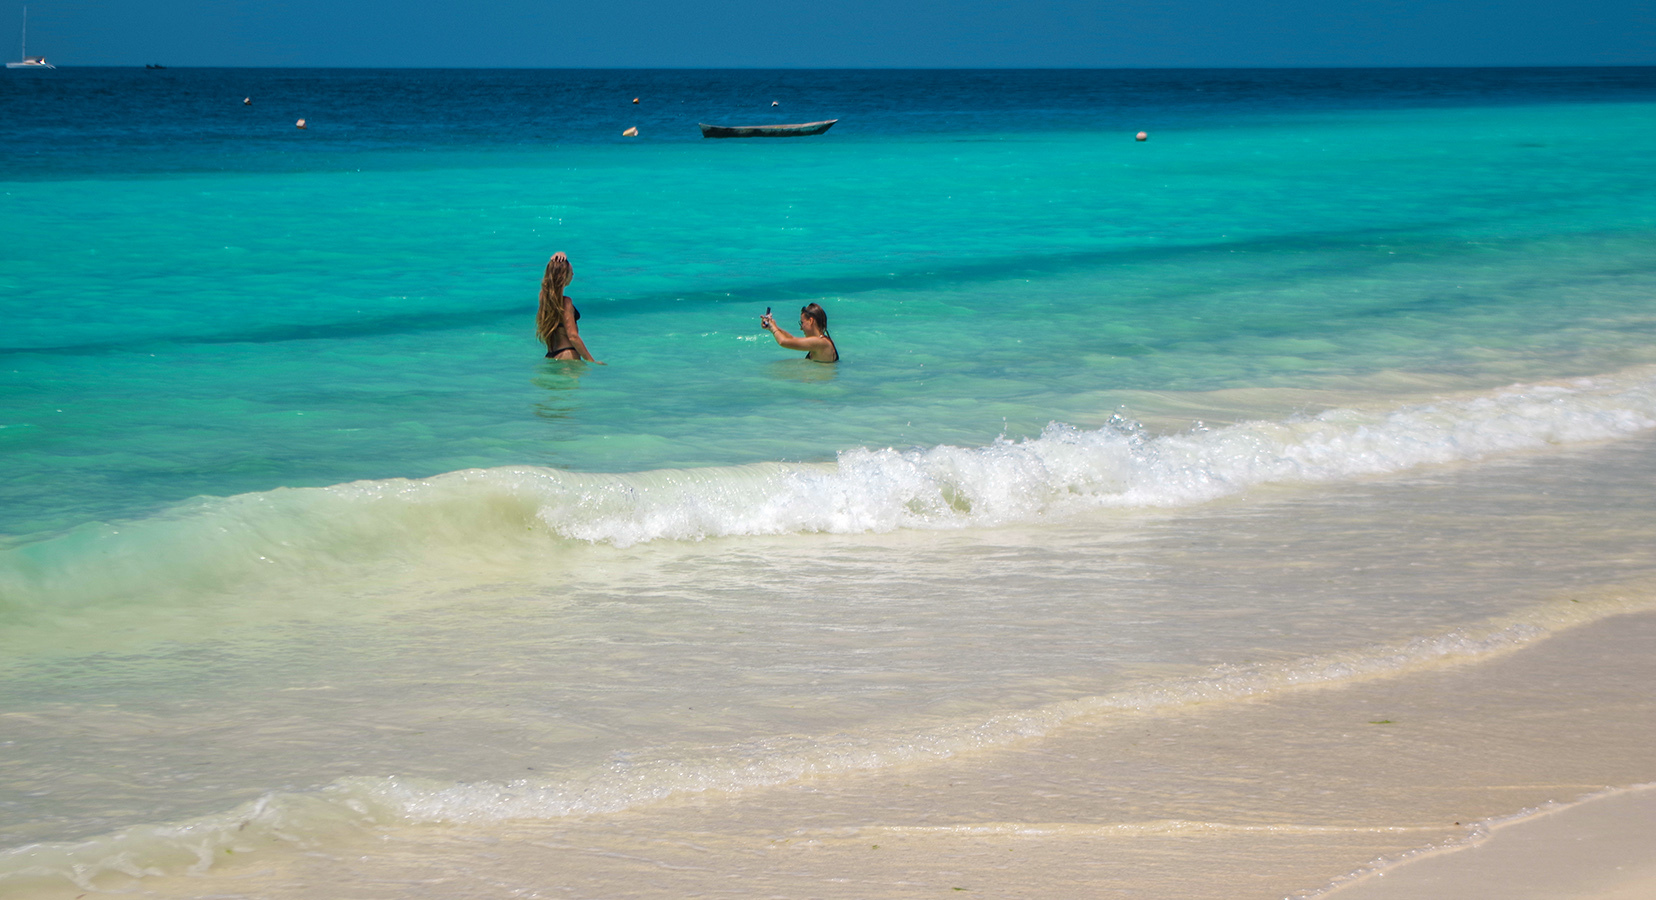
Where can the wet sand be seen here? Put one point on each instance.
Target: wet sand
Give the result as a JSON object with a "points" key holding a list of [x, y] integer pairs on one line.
{"points": [[1294, 796], [1602, 848]]}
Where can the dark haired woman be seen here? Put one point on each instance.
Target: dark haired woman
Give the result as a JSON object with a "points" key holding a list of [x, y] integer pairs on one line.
{"points": [[813, 320], [555, 321]]}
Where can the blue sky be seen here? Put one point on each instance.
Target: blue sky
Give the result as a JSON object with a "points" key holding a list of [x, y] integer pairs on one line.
{"points": [[836, 33]]}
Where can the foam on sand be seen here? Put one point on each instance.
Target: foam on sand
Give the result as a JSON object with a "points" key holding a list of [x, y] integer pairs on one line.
{"points": [[1598, 847]]}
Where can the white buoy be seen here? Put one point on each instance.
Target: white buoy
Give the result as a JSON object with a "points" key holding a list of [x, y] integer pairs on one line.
{"points": [[631, 132], [1142, 136], [774, 103], [247, 101], [301, 124]]}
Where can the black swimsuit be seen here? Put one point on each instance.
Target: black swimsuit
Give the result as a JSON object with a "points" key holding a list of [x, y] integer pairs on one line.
{"points": [[552, 354], [831, 344]]}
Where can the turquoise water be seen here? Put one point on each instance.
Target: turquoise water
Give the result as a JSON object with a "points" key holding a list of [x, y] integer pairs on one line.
{"points": [[281, 455], [185, 333]]}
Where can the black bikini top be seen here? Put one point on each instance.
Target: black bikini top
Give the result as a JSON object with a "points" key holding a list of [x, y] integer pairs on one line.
{"points": [[830, 343]]}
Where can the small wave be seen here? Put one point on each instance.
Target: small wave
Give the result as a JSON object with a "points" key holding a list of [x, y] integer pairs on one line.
{"points": [[1156, 827], [357, 806], [216, 543], [1473, 834]]}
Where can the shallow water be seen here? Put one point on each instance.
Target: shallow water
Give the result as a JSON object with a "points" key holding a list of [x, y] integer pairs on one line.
{"points": [[1339, 376]]}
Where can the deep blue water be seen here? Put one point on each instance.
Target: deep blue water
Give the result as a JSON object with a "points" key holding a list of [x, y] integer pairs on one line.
{"points": [[94, 121]]}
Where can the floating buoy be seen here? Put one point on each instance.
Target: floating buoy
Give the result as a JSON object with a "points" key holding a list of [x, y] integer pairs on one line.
{"points": [[774, 103], [247, 101], [631, 132], [635, 99], [1142, 136], [301, 124]]}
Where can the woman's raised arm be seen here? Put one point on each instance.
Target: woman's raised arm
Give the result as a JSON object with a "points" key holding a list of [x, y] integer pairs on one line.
{"points": [[808, 343]]}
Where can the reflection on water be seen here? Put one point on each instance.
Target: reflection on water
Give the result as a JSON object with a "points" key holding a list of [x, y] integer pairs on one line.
{"points": [[559, 378], [803, 370]]}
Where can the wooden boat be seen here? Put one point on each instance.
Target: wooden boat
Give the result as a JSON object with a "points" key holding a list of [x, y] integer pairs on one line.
{"points": [[729, 131]]}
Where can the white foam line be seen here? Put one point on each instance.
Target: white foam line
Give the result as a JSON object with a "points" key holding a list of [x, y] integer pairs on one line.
{"points": [[1476, 834], [1158, 827], [1118, 465], [217, 544]]}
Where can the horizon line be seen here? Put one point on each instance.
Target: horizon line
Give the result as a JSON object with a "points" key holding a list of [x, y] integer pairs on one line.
{"points": [[698, 68]]}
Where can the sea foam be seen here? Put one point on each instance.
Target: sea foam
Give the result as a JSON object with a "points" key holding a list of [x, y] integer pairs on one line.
{"points": [[213, 544]]}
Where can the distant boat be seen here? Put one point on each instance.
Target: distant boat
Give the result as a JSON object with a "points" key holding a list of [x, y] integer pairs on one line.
{"points": [[28, 62], [155, 66], [729, 131]]}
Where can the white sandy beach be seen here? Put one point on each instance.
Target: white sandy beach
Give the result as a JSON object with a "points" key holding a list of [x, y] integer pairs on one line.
{"points": [[1288, 798]]}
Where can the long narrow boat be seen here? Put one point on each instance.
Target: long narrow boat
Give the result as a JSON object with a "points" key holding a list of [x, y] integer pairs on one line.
{"points": [[727, 131]]}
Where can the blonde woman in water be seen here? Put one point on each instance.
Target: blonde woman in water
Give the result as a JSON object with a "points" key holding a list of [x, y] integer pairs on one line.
{"points": [[555, 321]]}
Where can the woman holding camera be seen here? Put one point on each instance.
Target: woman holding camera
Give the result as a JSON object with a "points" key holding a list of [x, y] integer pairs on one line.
{"points": [[813, 320]]}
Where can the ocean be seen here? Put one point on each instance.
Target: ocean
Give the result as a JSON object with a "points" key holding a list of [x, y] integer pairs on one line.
{"points": [[313, 571]]}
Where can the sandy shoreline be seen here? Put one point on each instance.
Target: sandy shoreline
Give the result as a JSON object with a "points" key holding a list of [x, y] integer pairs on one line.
{"points": [[1512, 649], [1285, 797], [1599, 848]]}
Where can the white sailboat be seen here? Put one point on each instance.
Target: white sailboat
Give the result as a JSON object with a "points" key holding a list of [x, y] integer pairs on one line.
{"points": [[27, 61]]}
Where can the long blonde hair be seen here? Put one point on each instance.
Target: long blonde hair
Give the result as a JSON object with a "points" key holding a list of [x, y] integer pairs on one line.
{"points": [[550, 317]]}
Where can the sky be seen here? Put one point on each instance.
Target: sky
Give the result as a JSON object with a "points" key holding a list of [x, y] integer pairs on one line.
{"points": [[835, 33]]}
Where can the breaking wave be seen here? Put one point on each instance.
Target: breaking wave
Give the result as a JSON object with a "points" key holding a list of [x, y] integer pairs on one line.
{"points": [[215, 543]]}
